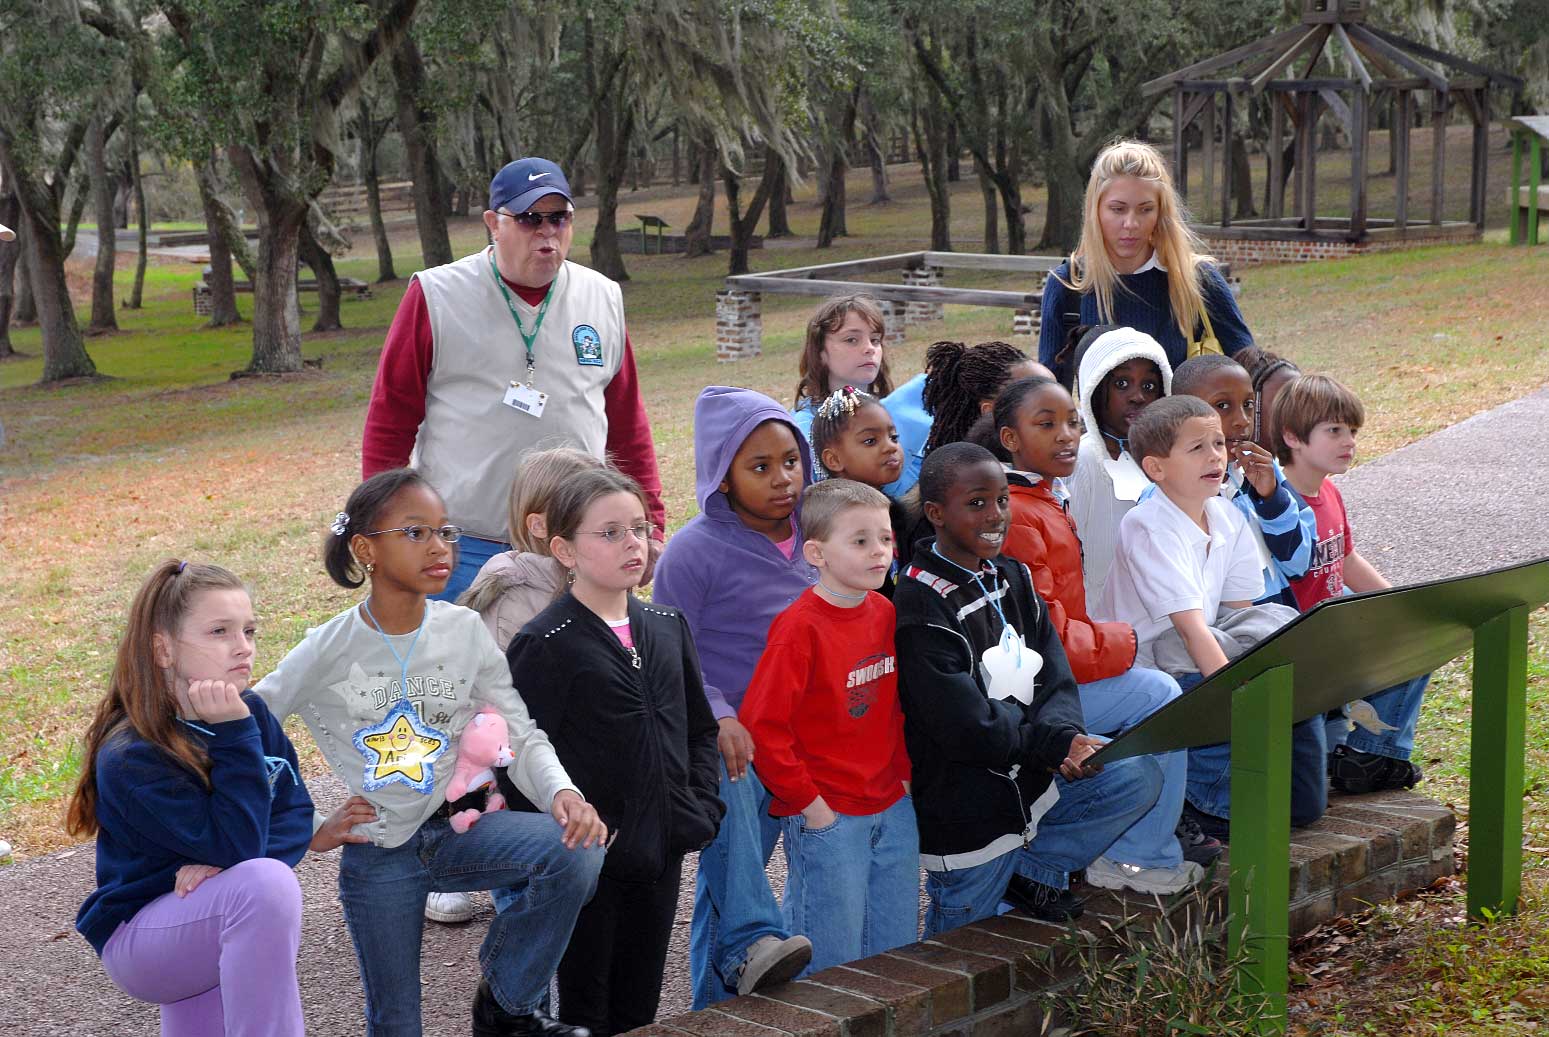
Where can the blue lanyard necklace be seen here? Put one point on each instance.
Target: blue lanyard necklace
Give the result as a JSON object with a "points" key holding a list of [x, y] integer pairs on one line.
{"points": [[403, 660], [1005, 624]]}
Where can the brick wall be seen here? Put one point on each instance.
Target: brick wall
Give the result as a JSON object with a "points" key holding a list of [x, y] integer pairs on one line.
{"points": [[1255, 251], [988, 979]]}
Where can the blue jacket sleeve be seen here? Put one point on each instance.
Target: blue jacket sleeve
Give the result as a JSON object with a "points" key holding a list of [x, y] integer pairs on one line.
{"points": [[1225, 318], [166, 805], [678, 587], [1289, 526], [291, 810], [1051, 329]]}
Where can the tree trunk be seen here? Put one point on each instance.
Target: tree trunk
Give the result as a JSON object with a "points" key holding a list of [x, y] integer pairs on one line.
{"points": [[317, 257], [1242, 180], [874, 152], [276, 319], [369, 139], [26, 298], [418, 131], [930, 145], [10, 252], [700, 230], [77, 210], [832, 224], [613, 124], [743, 225], [954, 151], [137, 181], [64, 350], [779, 197], [991, 213], [103, 319], [223, 295]]}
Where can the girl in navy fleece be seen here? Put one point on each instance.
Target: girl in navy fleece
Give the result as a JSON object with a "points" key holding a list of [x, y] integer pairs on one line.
{"points": [[190, 787], [730, 571]]}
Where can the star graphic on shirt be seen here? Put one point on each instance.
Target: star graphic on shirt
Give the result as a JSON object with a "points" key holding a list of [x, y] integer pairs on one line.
{"points": [[400, 748], [356, 685]]}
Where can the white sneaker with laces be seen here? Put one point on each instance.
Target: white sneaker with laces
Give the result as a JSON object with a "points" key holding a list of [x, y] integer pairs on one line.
{"points": [[1107, 874], [449, 908]]}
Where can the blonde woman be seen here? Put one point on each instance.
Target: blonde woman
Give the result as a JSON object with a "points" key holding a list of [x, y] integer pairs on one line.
{"points": [[1139, 265]]}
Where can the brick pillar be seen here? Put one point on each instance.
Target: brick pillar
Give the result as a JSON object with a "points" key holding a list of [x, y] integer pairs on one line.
{"points": [[894, 319], [1024, 323], [203, 304], [920, 312], [739, 325]]}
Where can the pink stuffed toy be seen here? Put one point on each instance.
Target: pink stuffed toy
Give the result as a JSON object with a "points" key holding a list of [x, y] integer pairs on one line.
{"points": [[480, 748]]}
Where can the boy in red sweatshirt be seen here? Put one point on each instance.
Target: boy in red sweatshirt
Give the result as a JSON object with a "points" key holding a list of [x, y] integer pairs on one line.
{"points": [[823, 710]]}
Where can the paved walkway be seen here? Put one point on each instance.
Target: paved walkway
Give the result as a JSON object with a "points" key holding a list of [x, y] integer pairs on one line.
{"points": [[1470, 497]]}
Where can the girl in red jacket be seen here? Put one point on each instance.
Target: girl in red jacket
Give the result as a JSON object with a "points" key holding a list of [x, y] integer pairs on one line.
{"points": [[1037, 430]]}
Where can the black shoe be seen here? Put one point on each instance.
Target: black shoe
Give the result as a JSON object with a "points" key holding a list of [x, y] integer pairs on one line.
{"points": [[1218, 828], [490, 1020], [1353, 772], [1198, 847], [1043, 902]]}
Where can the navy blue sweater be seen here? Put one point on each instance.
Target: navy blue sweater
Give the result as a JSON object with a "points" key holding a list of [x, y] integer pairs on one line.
{"points": [[1140, 301], [155, 815]]}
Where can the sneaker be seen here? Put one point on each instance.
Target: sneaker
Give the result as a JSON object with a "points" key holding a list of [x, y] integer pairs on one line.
{"points": [[490, 1020], [1218, 828], [1353, 772], [1106, 874], [1198, 847], [1044, 903], [771, 961], [449, 908]]}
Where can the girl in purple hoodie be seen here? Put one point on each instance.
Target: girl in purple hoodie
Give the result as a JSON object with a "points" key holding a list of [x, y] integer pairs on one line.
{"points": [[730, 571]]}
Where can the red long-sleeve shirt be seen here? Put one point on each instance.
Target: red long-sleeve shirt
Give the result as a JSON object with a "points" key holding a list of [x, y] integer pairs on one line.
{"points": [[823, 708], [397, 404]]}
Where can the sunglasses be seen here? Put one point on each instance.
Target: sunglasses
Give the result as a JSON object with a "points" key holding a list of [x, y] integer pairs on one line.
{"points": [[420, 534], [534, 220]]}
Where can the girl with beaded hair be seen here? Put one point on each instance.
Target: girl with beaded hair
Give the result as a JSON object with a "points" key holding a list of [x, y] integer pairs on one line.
{"points": [[1139, 265]]}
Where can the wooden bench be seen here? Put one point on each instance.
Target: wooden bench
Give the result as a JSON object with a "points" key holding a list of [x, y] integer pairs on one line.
{"points": [[1528, 200], [349, 288]]}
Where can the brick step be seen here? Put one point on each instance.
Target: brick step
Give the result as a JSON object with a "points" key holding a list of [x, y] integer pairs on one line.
{"points": [[988, 978]]}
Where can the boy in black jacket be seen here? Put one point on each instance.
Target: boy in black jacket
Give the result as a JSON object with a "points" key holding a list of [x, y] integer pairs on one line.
{"points": [[991, 713]]}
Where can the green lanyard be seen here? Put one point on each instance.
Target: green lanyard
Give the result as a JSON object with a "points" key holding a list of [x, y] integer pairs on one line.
{"points": [[543, 308]]}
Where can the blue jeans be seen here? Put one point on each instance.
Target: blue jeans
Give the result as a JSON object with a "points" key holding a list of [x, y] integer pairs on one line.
{"points": [[853, 888], [733, 904], [1210, 770], [1113, 706], [383, 892], [1398, 708], [1089, 815], [472, 553]]}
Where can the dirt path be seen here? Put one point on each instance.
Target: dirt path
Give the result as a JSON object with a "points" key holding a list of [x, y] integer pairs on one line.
{"points": [[1464, 499]]}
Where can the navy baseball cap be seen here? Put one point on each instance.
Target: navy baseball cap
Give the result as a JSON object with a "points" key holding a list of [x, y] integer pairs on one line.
{"points": [[520, 183]]}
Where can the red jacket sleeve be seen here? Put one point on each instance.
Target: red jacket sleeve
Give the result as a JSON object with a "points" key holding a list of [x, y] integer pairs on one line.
{"points": [[397, 404], [768, 711], [630, 446], [1096, 651]]}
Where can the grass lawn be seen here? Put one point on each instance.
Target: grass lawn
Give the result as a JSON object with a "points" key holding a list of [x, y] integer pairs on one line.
{"points": [[167, 457]]}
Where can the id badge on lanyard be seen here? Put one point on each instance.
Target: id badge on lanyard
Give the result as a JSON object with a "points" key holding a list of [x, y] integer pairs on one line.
{"points": [[520, 396]]}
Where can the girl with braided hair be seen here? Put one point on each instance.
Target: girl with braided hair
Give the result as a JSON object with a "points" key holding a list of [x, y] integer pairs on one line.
{"points": [[1270, 373]]}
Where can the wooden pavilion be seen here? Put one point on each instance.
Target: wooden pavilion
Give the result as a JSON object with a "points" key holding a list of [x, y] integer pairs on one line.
{"points": [[1332, 63]]}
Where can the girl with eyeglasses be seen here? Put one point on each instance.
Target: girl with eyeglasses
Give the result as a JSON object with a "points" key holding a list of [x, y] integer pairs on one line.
{"points": [[617, 684], [385, 688]]}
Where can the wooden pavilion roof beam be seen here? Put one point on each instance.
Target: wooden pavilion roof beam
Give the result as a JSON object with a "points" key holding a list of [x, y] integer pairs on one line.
{"points": [[1312, 37], [1356, 64], [1220, 61], [1451, 60], [1397, 56]]}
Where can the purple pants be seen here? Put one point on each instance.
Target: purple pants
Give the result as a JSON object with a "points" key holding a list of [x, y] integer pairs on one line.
{"points": [[221, 960]]}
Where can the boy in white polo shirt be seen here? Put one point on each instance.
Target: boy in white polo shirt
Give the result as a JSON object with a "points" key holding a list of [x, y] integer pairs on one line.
{"points": [[1185, 574]]}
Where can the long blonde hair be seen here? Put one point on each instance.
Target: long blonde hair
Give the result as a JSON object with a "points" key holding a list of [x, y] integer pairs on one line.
{"points": [[539, 477], [1177, 248]]}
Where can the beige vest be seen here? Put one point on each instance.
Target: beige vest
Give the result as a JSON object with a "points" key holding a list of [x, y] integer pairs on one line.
{"points": [[470, 441]]}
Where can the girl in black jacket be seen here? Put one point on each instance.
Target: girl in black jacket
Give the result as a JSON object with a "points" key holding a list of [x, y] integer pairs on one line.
{"points": [[616, 685]]}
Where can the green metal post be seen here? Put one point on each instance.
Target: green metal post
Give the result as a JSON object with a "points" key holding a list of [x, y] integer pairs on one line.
{"points": [[1495, 764], [1261, 838], [1534, 166], [1513, 210]]}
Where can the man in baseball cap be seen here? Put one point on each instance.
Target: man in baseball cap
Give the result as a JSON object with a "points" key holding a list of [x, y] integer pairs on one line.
{"points": [[520, 183]]}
